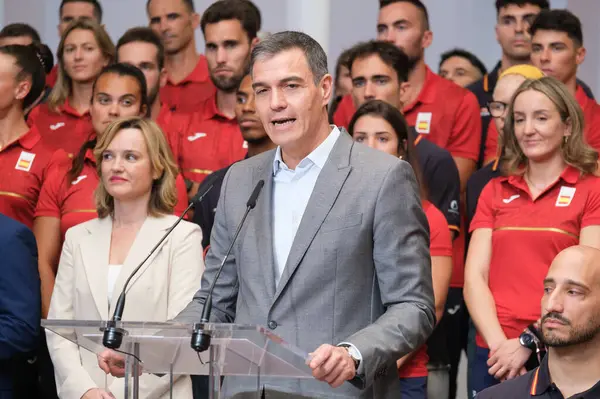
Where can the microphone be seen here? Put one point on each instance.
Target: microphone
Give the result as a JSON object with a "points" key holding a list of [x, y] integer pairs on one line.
{"points": [[200, 339], [113, 336]]}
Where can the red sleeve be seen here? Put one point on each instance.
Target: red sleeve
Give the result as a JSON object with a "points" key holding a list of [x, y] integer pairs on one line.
{"points": [[491, 142], [182, 198], [465, 138], [51, 195], [439, 232], [344, 112], [591, 213], [484, 213]]}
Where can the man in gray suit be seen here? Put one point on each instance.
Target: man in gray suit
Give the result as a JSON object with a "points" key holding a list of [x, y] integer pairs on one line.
{"points": [[335, 256]]}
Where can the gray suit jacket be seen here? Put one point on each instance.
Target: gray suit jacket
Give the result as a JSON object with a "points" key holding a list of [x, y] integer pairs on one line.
{"points": [[358, 271]]}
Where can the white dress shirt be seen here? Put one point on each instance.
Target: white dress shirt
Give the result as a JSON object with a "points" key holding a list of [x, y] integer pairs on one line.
{"points": [[292, 189]]}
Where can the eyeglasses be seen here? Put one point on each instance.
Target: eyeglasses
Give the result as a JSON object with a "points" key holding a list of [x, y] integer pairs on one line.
{"points": [[497, 108]]}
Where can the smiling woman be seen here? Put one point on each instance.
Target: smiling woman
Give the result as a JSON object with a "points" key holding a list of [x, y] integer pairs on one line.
{"points": [[547, 200], [64, 121]]}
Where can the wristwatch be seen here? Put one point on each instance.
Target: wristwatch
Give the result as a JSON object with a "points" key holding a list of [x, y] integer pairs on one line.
{"points": [[353, 355], [527, 340]]}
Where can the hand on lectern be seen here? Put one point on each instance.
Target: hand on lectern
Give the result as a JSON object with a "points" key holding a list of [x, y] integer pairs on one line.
{"points": [[332, 364], [113, 363]]}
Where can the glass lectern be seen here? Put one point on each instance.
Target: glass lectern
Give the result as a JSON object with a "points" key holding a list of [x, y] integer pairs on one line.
{"points": [[164, 349]]}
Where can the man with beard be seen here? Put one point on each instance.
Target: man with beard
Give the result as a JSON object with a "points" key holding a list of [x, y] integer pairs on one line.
{"points": [[214, 140], [258, 141], [570, 329], [441, 111], [188, 84]]}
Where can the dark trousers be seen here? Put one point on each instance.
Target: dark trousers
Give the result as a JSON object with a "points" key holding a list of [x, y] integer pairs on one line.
{"points": [[33, 375], [413, 388], [456, 319], [480, 377]]}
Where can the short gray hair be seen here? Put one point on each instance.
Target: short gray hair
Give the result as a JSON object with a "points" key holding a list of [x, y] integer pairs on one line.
{"points": [[289, 40]]}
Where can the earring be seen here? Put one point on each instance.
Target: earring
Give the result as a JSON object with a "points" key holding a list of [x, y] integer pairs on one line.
{"points": [[401, 157], [565, 139]]}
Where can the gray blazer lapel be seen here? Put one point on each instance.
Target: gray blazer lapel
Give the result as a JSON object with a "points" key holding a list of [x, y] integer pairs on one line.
{"points": [[264, 223], [326, 190]]}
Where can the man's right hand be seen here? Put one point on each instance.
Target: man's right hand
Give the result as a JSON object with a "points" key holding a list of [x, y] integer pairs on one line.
{"points": [[112, 363], [97, 393]]}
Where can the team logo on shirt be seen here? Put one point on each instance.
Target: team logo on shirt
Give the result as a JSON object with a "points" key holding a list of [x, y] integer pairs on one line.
{"points": [[565, 196], [196, 136], [510, 199], [423, 124], [57, 126], [25, 161], [79, 178]]}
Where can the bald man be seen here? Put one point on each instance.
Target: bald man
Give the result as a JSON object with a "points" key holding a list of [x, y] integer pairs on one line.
{"points": [[570, 330]]}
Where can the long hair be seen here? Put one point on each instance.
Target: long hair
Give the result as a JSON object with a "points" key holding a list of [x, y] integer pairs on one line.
{"points": [[64, 83], [404, 134], [575, 151], [163, 195]]}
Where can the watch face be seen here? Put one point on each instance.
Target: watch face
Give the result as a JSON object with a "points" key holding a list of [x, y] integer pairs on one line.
{"points": [[526, 340]]}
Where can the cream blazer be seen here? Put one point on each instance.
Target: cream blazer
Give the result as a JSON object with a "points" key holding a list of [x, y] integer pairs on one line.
{"points": [[158, 292]]}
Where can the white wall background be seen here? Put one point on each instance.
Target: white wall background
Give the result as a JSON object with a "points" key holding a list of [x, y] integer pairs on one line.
{"points": [[337, 24]]}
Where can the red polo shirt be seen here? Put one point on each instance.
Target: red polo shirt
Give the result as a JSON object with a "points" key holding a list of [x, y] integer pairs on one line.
{"points": [[73, 202], [174, 126], [52, 76], [67, 129], [445, 113], [189, 94], [591, 114], [211, 142], [24, 164], [526, 236], [440, 245]]}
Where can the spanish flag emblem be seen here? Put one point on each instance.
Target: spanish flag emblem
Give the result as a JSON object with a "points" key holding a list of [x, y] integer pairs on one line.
{"points": [[25, 161], [423, 124], [565, 196]]}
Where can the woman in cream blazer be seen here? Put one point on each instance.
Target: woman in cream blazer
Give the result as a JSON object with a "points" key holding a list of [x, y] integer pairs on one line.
{"points": [[159, 290]]}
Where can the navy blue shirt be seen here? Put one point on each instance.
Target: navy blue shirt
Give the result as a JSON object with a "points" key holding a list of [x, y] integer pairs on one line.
{"points": [[441, 178], [535, 384]]}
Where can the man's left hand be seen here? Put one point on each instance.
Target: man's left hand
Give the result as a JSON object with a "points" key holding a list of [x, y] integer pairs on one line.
{"points": [[332, 364], [508, 361]]}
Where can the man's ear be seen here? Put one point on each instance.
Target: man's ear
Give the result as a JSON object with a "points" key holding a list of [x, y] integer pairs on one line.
{"points": [[326, 87], [195, 20]]}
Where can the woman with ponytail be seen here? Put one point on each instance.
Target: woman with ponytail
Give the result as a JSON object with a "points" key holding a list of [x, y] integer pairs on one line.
{"points": [[24, 158]]}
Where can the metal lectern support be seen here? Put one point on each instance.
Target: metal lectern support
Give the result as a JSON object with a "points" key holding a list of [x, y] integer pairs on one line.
{"points": [[132, 364], [136, 371]]}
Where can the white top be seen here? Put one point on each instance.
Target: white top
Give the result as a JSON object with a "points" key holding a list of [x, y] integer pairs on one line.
{"points": [[292, 189], [113, 274]]}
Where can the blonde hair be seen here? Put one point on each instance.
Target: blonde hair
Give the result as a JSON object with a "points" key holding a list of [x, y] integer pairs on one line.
{"points": [[575, 151], [164, 193], [62, 89], [525, 70]]}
